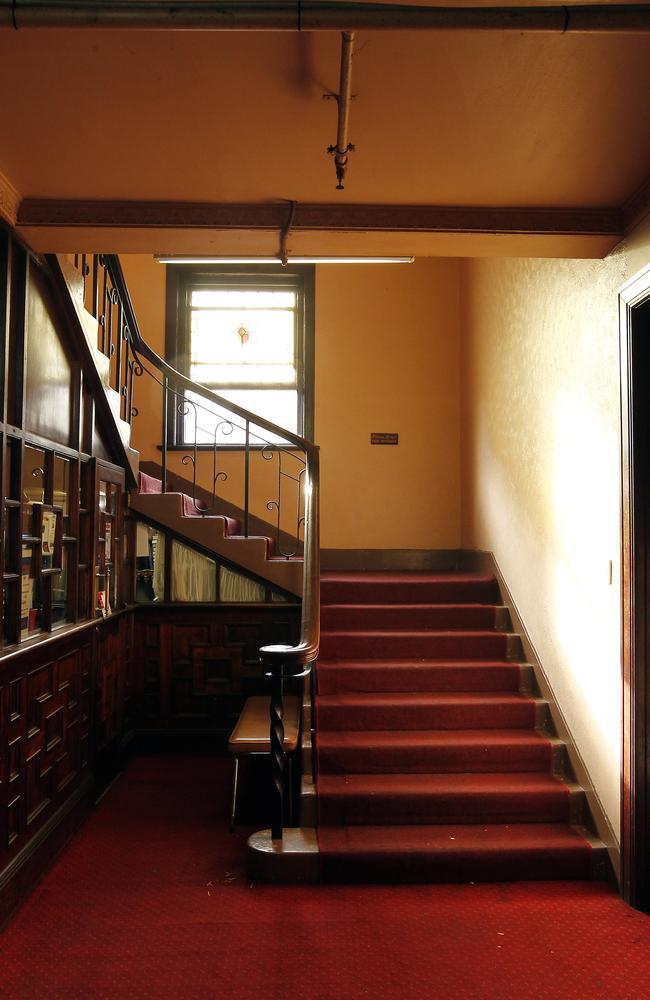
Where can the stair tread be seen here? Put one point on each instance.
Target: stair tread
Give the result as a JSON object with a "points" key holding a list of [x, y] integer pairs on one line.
{"points": [[409, 784], [424, 664], [427, 737], [405, 576], [452, 837], [423, 606], [412, 633], [405, 698]]}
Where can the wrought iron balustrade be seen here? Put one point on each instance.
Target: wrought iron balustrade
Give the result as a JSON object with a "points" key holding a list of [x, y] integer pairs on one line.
{"points": [[204, 424]]}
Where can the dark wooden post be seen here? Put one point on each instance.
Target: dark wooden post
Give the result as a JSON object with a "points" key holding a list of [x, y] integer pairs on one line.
{"points": [[277, 752]]}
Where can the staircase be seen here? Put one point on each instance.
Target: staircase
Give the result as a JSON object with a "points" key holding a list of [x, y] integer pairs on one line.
{"points": [[216, 533], [435, 759]]}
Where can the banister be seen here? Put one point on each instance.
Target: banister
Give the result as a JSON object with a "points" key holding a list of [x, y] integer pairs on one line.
{"points": [[283, 662], [141, 347]]}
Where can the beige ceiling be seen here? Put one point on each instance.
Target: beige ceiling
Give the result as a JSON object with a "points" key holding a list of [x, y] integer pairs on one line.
{"points": [[467, 119]]}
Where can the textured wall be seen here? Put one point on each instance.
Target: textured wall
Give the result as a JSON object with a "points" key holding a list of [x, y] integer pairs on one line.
{"points": [[541, 474], [387, 359]]}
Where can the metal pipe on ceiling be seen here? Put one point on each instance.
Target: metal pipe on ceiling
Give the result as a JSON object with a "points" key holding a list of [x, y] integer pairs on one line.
{"points": [[309, 15], [343, 147]]}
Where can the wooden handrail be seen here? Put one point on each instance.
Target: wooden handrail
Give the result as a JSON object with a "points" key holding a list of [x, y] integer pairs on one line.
{"points": [[142, 348], [283, 662]]}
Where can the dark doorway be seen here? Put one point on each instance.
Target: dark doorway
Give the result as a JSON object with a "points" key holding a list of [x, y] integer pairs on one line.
{"points": [[635, 424]]}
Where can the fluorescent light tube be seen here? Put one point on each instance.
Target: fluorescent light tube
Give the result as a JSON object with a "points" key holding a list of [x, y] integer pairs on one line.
{"points": [[276, 260]]}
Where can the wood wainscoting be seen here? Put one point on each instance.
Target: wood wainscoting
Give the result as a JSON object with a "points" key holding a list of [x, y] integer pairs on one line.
{"points": [[63, 717], [195, 665]]}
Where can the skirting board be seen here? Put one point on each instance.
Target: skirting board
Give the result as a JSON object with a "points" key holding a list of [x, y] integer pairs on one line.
{"points": [[485, 562]]}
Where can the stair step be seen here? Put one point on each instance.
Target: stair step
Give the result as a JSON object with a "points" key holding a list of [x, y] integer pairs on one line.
{"points": [[432, 760], [347, 617], [339, 676], [408, 588], [388, 644], [395, 799], [485, 751], [425, 711], [454, 853]]}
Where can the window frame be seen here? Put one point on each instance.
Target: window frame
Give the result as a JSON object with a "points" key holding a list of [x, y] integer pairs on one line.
{"points": [[181, 279]]}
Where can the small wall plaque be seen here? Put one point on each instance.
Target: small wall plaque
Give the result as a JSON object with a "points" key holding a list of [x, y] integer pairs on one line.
{"points": [[376, 438]]}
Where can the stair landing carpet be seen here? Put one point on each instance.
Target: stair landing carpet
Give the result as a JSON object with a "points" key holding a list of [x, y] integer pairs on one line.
{"points": [[431, 766]]}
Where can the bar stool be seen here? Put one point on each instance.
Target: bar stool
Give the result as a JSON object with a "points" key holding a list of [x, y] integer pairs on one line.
{"points": [[251, 737]]}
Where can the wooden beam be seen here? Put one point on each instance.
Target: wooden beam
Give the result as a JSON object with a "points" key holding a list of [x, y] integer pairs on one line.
{"points": [[52, 213], [9, 201], [637, 206], [312, 15]]}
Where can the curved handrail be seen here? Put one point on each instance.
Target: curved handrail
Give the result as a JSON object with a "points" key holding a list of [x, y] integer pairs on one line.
{"points": [[141, 347], [283, 661], [306, 651]]}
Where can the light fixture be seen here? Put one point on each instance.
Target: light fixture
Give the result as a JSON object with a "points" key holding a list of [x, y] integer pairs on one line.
{"points": [[162, 259]]}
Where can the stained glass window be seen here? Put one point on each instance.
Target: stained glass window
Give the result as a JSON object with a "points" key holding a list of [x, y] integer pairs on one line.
{"points": [[244, 336]]}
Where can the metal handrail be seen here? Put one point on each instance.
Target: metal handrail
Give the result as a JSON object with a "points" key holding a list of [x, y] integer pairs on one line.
{"points": [[283, 662], [141, 347]]}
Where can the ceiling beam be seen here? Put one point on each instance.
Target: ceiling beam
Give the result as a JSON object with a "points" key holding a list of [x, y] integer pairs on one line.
{"points": [[52, 213], [637, 206], [9, 201], [308, 15]]}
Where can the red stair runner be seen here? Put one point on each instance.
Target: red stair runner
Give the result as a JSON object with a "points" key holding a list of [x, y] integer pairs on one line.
{"points": [[430, 767], [232, 525]]}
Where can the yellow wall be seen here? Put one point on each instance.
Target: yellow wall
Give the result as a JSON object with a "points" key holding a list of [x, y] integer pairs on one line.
{"points": [[387, 359], [541, 474]]}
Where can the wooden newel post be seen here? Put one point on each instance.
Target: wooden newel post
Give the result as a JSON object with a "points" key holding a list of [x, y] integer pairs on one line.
{"points": [[277, 742]]}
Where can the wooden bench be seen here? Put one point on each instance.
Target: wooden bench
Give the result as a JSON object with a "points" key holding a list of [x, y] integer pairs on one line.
{"points": [[251, 737]]}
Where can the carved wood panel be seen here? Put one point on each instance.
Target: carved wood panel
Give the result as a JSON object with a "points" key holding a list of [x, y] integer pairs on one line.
{"points": [[58, 701], [193, 667], [112, 688], [44, 732]]}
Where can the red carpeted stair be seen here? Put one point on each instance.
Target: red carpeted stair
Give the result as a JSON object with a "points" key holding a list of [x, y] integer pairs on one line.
{"points": [[432, 761]]}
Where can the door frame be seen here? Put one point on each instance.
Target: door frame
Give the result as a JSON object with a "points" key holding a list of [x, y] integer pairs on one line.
{"points": [[635, 594]]}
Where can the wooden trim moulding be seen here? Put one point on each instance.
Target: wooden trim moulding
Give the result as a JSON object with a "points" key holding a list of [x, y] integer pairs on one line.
{"points": [[485, 562], [46, 212], [9, 201], [635, 775], [637, 207]]}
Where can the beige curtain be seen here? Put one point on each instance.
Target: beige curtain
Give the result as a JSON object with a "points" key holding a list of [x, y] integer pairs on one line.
{"points": [[159, 566], [235, 587], [194, 576]]}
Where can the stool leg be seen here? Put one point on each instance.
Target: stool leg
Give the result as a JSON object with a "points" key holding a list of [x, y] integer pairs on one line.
{"points": [[290, 787], [233, 808]]}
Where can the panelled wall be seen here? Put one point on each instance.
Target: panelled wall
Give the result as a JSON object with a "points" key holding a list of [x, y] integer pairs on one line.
{"points": [[83, 667], [194, 665], [66, 571]]}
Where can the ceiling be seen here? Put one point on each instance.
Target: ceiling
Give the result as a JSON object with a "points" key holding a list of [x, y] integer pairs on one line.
{"points": [[490, 119]]}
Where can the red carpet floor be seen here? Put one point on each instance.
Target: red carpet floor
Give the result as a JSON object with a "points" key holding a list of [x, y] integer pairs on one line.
{"points": [[150, 901]]}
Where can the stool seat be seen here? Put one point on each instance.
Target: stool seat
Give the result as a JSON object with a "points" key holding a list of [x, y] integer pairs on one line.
{"points": [[252, 732], [252, 735]]}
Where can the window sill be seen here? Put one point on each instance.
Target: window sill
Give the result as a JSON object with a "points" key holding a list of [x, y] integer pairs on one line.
{"points": [[285, 445]]}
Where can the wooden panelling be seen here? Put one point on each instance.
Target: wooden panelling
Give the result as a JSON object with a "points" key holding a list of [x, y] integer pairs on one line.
{"points": [[63, 706], [49, 383], [113, 655], [193, 666]]}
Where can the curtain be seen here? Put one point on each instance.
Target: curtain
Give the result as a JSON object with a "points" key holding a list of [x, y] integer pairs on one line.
{"points": [[235, 587], [194, 576]]}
